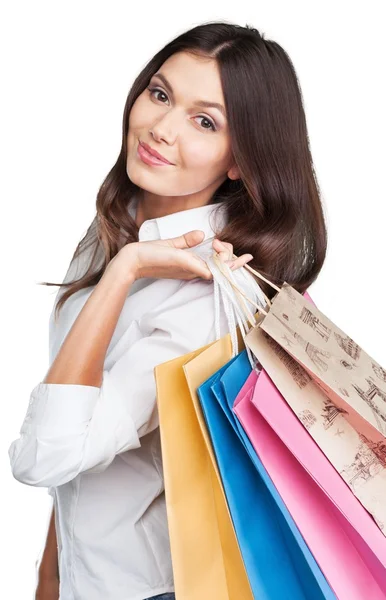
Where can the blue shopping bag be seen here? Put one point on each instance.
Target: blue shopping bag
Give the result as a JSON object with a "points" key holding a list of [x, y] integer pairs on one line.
{"points": [[278, 562]]}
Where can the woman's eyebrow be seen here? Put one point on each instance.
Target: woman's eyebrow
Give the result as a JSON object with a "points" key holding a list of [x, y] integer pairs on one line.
{"points": [[203, 103]]}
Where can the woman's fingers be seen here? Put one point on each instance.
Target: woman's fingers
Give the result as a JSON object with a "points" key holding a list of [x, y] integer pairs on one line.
{"points": [[225, 252], [240, 261], [169, 259], [224, 249], [196, 264], [187, 240]]}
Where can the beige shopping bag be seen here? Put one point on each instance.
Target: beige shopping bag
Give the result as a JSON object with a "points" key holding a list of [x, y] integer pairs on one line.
{"points": [[354, 382], [354, 457], [335, 388]]}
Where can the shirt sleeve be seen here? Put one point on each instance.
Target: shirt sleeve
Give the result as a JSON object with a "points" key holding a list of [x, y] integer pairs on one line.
{"points": [[71, 429]]}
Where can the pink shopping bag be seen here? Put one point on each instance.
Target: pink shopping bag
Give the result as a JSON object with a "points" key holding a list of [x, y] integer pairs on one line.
{"points": [[345, 541]]}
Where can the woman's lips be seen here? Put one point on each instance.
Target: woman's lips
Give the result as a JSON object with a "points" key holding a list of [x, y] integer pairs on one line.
{"points": [[149, 159]]}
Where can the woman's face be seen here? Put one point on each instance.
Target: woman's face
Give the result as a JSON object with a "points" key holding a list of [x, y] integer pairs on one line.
{"points": [[194, 138]]}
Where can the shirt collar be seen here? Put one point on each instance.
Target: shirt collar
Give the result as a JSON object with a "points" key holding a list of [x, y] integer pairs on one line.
{"points": [[180, 222]]}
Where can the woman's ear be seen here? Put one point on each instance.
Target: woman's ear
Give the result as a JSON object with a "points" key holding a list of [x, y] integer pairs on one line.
{"points": [[233, 172]]}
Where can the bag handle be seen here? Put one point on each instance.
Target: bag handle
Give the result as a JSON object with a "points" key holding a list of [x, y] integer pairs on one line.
{"points": [[233, 299], [260, 276], [238, 291]]}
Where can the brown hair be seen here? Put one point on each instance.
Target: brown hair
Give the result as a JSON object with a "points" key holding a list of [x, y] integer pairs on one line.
{"points": [[274, 210]]}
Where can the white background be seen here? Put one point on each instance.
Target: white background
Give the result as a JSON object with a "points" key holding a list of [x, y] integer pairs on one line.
{"points": [[66, 71]]}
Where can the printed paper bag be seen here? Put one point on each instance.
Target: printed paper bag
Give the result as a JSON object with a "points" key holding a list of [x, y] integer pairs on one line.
{"points": [[334, 387], [353, 381], [361, 466]]}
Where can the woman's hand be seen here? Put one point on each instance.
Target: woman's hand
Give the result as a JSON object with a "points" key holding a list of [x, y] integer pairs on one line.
{"points": [[169, 259]]}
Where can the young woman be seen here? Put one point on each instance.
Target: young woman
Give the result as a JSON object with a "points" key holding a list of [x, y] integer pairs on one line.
{"points": [[214, 157]]}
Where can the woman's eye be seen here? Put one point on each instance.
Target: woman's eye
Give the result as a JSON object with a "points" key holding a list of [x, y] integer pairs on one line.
{"points": [[210, 123], [155, 90], [151, 90]]}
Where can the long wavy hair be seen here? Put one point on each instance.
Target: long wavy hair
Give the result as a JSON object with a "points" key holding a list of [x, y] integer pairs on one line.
{"points": [[274, 210]]}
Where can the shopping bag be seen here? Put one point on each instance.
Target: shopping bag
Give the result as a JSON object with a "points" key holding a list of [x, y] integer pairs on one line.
{"points": [[353, 381], [206, 557], [293, 341], [268, 537], [358, 463], [352, 570], [274, 409]]}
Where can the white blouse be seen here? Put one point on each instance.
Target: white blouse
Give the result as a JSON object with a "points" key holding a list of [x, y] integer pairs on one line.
{"points": [[97, 449]]}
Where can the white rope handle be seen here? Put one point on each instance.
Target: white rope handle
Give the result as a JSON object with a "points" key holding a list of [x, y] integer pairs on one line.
{"points": [[234, 301]]}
